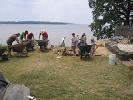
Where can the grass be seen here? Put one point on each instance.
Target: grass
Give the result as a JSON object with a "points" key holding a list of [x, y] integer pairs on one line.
{"points": [[70, 78]]}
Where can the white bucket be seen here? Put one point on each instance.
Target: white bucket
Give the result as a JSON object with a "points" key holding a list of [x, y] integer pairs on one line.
{"points": [[112, 59]]}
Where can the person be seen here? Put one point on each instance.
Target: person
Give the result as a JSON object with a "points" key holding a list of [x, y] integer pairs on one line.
{"points": [[23, 36], [63, 42], [92, 41], [30, 36], [10, 40], [44, 35], [83, 38], [74, 43], [77, 37], [77, 42], [30, 39], [44, 43]]}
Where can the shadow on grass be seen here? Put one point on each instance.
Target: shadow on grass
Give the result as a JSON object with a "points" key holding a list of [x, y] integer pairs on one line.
{"points": [[87, 59], [13, 57], [18, 56], [4, 61], [46, 51]]}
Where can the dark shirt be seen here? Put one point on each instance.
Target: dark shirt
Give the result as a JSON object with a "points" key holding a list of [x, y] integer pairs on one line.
{"points": [[30, 36], [23, 36], [45, 35]]}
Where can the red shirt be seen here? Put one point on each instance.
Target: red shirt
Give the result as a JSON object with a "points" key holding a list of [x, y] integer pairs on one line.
{"points": [[45, 35], [29, 36]]}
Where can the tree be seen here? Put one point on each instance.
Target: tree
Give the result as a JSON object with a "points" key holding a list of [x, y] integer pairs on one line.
{"points": [[109, 13]]}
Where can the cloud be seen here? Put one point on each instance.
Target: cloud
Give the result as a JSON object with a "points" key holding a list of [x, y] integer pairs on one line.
{"points": [[46, 10]]}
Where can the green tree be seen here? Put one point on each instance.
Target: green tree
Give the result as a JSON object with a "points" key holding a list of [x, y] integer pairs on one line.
{"points": [[109, 13]]}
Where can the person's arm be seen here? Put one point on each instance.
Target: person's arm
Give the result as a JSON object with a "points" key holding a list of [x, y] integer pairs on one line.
{"points": [[33, 37], [24, 36], [47, 36], [17, 40]]}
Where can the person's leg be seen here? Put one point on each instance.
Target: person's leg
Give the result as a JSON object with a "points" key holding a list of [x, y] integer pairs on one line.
{"points": [[63, 44], [73, 49], [32, 44], [9, 48]]}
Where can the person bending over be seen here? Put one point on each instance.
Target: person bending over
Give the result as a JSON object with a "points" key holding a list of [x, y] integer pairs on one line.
{"points": [[44, 35], [30, 39], [10, 40], [23, 36], [44, 43], [30, 36]]}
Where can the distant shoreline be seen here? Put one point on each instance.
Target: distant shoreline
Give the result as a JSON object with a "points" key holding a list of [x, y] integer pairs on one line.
{"points": [[34, 22]]}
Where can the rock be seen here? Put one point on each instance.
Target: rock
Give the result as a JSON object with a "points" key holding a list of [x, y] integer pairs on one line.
{"points": [[17, 92]]}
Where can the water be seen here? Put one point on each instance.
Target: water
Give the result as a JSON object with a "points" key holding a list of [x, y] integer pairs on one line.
{"points": [[55, 32]]}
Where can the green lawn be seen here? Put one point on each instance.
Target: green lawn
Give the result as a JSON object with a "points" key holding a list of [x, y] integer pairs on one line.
{"points": [[70, 78]]}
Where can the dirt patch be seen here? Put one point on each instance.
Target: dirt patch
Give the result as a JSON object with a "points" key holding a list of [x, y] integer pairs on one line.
{"points": [[129, 64], [102, 51]]}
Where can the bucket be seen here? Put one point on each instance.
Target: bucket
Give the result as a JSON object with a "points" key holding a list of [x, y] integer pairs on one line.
{"points": [[112, 59]]}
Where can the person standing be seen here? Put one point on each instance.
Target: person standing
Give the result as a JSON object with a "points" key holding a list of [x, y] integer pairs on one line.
{"points": [[84, 37], [10, 40], [77, 38], [63, 42], [74, 43]]}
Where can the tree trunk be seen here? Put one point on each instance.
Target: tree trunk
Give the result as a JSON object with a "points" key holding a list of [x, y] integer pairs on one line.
{"points": [[128, 13]]}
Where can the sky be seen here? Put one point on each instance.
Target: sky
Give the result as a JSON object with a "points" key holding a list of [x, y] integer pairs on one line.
{"points": [[73, 11]]}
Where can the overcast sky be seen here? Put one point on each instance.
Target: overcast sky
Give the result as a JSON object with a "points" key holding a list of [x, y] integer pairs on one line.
{"points": [[75, 11]]}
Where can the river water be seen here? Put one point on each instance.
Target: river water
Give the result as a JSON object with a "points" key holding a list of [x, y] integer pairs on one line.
{"points": [[55, 32]]}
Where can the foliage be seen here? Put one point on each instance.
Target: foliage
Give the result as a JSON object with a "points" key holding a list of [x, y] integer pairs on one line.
{"points": [[109, 13]]}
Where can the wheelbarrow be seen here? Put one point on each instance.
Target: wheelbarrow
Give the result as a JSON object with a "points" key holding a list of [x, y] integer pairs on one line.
{"points": [[43, 44], [20, 49], [86, 50], [3, 53], [29, 45]]}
